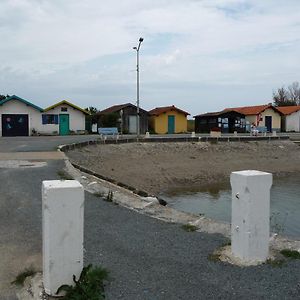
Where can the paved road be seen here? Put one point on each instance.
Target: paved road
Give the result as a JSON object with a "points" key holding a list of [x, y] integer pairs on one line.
{"points": [[147, 258], [50, 143], [40, 143]]}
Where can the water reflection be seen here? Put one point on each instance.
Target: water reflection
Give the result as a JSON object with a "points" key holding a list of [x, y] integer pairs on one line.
{"points": [[215, 202]]}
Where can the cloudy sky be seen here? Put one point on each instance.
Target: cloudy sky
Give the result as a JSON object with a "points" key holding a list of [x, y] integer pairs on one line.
{"points": [[200, 55]]}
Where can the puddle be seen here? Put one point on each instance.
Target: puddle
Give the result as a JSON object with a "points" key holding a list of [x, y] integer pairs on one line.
{"points": [[215, 202]]}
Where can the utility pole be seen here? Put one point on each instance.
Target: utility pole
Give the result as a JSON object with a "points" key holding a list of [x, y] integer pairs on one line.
{"points": [[137, 49]]}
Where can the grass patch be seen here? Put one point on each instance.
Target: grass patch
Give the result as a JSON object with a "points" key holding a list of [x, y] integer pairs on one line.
{"points": [[99, 194], [213, 257], [109, 197], [189, 227], [290, 253], [90, 285], [23, 275], [275, 262], [226, 243], [64, 175]]}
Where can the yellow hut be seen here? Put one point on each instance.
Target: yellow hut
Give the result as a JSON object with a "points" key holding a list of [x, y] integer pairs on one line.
{"points": [[168, 119]]}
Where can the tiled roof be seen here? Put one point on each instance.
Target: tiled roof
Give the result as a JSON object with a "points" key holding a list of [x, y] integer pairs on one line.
{"points": [[160, 110], [252, 110], [116, 108], [287, 110]]}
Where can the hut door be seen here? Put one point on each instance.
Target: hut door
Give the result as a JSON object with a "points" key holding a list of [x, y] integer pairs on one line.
{"points": [[132, 124], [268, 123], [171, 124]]}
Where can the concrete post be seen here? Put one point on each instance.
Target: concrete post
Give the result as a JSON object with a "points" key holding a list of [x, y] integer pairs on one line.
{"points": [[193, 134], [63, 208], [147, 135], [274, 133], [235, 133], [250, 226]]}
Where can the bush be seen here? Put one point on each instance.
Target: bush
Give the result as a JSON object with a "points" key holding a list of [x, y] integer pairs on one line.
{"points": [[90, 285]]}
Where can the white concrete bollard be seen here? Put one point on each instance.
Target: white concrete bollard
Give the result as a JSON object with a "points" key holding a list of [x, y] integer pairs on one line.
{"points": [[250, 225], [63, 208], [274, 133], [147, 135], [235, 133], [193, 134]]}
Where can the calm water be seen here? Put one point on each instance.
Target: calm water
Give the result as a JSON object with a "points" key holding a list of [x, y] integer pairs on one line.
{"points": [[215, 203]]}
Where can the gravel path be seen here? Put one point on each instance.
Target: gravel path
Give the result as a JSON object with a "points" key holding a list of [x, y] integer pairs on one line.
{"points": [[150, 259]]}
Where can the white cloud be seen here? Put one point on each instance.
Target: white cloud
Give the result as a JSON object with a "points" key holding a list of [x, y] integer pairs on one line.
{"points": [[64, 47]]}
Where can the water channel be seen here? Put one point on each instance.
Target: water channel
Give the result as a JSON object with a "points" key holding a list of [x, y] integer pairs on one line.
{"points": [[215, 202]]}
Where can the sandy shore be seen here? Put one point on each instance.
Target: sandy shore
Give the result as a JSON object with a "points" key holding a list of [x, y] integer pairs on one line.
{"points": [[157, 167]]}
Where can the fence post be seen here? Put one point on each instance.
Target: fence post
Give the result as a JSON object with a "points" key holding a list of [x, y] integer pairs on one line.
{"points": [[250, 225], [63, 208]]}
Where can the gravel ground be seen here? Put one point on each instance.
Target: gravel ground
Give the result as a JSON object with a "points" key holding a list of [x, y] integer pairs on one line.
{"points": [[147, 258], [151, 259], [156, 167]]}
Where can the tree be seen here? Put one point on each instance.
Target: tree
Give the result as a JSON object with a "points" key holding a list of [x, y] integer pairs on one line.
{"points": [[110, 120], [2, 97], [92, 110], [294, 92], [92, 118], [287, 97]]}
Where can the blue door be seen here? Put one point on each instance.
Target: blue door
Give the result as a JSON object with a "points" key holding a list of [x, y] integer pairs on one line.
{"points": [[171, 124], [268, 123]]}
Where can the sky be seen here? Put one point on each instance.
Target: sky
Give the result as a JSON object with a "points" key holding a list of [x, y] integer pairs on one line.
{"points": [[199, 55]]}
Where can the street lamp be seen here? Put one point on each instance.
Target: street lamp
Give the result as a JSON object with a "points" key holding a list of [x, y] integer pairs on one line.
{"points": [[137, 49]]}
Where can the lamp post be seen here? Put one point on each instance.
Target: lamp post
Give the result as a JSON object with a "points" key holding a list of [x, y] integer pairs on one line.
{"points": [[137, 49]]}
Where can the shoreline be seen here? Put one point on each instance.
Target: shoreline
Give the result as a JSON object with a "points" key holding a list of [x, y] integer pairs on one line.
{"points": [[159, 167]]}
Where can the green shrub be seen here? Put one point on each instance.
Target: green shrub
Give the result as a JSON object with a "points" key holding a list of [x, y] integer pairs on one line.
{"points": [[23, 275], [90, 285], [290, 253], [189, 227], [109, 197], [64, 175]]}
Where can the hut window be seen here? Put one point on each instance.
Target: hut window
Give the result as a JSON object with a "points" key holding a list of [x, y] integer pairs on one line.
{"points": [[64, 109], [203, 121], [49, 119], [212, 121]]}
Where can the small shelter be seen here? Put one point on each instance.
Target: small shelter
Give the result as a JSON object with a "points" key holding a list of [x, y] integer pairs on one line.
{"points": [[123, 116], [227, 121], [19, 117], [261, 116], [290, 120], [168, 119], [64, 118]]}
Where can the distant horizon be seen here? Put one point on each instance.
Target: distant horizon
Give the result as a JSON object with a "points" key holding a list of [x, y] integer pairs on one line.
{"points": [[201, 56]]}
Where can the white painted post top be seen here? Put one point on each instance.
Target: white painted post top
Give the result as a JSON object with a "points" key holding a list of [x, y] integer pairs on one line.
{"points": [[251, 173], [49, 184]]}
